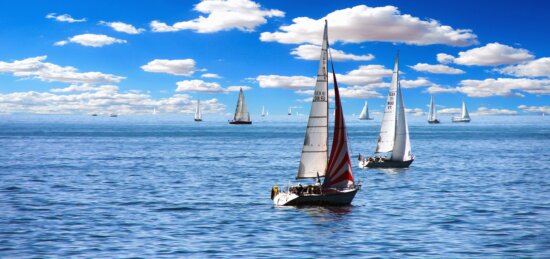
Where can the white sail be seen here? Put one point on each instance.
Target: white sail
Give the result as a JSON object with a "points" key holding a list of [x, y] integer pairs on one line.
{"points": [[241, 112], [289, 110], [313, 161], [432, 116], [387, 129], [198, 112], [263, 111], [364, 113], [154, 110], [402, 147], [465, 114]]}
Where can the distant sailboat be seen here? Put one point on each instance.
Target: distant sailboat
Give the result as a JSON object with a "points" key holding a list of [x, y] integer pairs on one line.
{"points": [[338, 187], [263, 111], [113, 115], [289, 111], [365, 113], [95, 114], [394, 131], [432, 115], [241, 112], [198, 111], [464, 117], [154, 110]]}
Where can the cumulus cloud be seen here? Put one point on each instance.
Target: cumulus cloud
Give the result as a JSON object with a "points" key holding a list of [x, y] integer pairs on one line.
{"points": [[535, 109], [492, 54], [180, 67], [313, 52], [85, 88], [450, 111], [289, 82], [419, 82], [503, 87], [535, 68], [35, 67], [64, 18], [363, 23], [415, 111], [123, 27], [436, 69], [210, 75], [244, 15], [366, 74], [206, 87], [444, 58], [90, 40], [484, 111]]}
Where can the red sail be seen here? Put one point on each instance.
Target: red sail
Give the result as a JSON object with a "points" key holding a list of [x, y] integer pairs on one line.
{"points": [[339, 173]]}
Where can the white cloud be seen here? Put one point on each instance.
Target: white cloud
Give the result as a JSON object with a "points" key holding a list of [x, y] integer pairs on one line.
{"points": [[244, 15], [123, 27], [313, 52], [419, 82], [492, 54], [434, 89], [535, 68], [363, 23], [415, 111], [484, 111], [210, 75], [352, 92], [85, 88], [436, 69], [450, 111], [444, 58], [206, 87], [535, 109], [181, 67], [289, 82], [503, 87], [104, 100], [364, 75], [36, 68], [90, 40], [64, 18]]}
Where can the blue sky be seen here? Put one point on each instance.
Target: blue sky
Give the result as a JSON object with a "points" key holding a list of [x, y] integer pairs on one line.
{"points": [[82, 57]]}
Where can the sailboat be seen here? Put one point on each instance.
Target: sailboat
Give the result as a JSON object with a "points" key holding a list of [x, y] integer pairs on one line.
{"points": [[154, 110], [464, 117], [338, 187], [198, 112], [289, 111], [394, 131], [432, 115], [365, 113], [263, 111], [241, 112]]}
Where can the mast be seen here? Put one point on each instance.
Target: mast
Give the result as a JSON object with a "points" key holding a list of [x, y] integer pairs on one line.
{"points": [[263, 111], [367, 113], [314, 158], [432, 115], [198, 112], [386, 138]]}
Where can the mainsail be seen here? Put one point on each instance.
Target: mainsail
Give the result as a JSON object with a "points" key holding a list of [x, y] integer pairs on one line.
{"points": [[365, 112], [432, 116], [198, 112], [402, 147], [465, 114], [387, 130], [263, 111], [339, 174], [241, 112], [313, 161]]}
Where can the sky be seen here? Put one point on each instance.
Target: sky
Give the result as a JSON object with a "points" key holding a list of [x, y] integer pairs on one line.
{"points": [[129, 57]]}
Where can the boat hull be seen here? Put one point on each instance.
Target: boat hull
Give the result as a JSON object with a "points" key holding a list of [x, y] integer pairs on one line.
{"points": [[460, 120], [198, 120], [338, 198], [240, 122], [366, 119], [385, 164], [433, 122]]}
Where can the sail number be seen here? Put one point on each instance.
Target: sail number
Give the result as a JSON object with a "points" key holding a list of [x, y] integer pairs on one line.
{"points": [[319, 96]]}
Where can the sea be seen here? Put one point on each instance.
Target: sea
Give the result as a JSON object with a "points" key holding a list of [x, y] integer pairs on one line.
{"points": [[75, 186]]}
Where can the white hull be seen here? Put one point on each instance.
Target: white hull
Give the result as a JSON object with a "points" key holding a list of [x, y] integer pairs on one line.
{"points": [[461, 120], [343, 197]]}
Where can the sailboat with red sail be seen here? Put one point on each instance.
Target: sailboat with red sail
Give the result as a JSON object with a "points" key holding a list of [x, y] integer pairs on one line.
{"points": [[338, 187]]}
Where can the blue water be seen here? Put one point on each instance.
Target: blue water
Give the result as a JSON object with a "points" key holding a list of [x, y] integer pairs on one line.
{"points": [[79, 186]]}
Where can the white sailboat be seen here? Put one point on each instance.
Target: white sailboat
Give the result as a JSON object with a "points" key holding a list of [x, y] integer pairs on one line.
{"points": [[154, 110], [263, 111], [289, 111], [338, 187], [198, 111], [465, 116], [432, 115], [241, 112], [365, 112], [394, 131]]}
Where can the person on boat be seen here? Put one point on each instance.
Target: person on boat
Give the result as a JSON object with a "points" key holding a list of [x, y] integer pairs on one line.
{"points": [[300, 189], [360, 157], [274, 191]]}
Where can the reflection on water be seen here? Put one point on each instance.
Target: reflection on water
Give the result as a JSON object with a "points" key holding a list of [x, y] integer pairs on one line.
{"points": [[327, 213]]}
